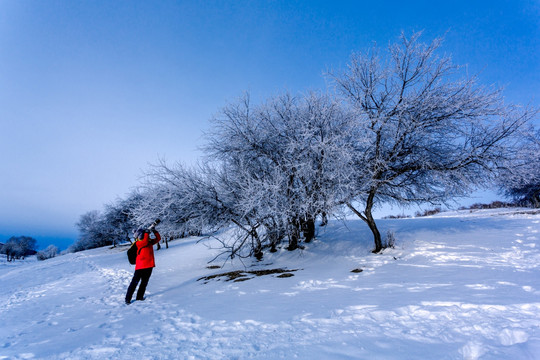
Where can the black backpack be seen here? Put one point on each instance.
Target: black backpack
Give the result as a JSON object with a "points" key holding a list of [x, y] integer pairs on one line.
{"points": [[132, 253]]}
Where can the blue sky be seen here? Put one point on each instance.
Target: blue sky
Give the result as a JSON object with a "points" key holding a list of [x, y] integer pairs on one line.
{"points": [[91, 92]]}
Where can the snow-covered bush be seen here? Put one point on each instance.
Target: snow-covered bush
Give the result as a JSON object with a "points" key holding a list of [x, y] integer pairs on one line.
{"points": [[50, 252]]}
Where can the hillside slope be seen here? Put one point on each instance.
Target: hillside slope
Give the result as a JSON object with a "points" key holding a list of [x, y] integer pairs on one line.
{"points": [[457, 286]]}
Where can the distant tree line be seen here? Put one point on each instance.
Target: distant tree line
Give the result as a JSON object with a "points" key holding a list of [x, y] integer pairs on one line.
{"points": [[404, 126]]}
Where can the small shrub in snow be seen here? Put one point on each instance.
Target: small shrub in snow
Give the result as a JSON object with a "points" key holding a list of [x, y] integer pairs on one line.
{"points": [[390, 240]]}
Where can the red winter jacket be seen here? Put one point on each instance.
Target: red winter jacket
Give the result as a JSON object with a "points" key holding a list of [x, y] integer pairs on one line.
{"points": [[145, 249]]}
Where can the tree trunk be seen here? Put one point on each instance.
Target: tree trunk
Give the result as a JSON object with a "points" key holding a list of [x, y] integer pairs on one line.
{"points": [[294, 234], [256, 246], [373, 227], [535, 199], [368, 218], [324, 220], [309, 229], [275, 236]]}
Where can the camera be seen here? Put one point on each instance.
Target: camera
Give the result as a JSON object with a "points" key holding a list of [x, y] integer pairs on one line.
{"points": [[154, 224]]}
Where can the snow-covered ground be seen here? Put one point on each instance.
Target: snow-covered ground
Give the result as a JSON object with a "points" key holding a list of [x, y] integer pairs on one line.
{"points": [[457, 286]]}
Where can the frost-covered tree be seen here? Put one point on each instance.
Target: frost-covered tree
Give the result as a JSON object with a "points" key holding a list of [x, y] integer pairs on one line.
{"points": [[118, 220], [112, 226], [291, 158], [190, 200], [427, 133], [520, 179], [174, 195], [89, 232], [17, 247], [93, 232]]}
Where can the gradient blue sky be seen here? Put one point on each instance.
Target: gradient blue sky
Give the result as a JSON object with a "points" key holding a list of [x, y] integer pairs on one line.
{"points": [[93, 91]]}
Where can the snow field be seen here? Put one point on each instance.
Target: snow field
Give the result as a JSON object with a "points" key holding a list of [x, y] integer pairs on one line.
{"points": [[460, 287]]}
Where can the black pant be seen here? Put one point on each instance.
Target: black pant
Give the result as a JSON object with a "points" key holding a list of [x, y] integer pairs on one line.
{"points": [[142, 275]]}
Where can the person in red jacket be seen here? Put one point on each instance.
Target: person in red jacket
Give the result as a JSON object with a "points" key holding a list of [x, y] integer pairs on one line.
{"points": [[144, 264]]}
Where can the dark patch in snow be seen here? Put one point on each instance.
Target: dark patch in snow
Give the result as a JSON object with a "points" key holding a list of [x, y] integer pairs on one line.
{"points": [[285, 275], [240, 275]]}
